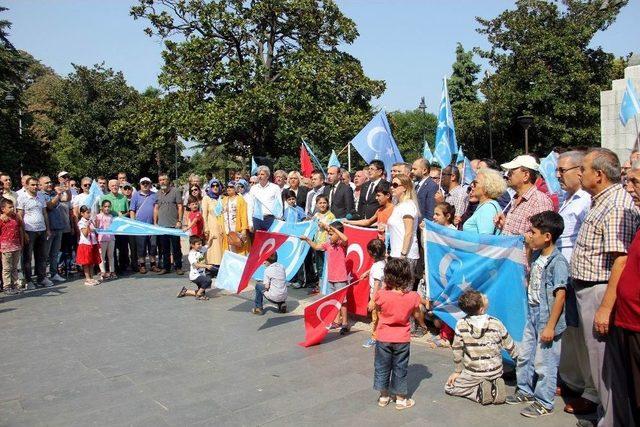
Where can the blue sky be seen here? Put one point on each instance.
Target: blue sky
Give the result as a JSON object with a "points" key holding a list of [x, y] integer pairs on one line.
{"points": [[408, 43]]}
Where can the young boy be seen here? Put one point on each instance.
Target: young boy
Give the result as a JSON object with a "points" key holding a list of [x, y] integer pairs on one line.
{"points": [[197, 274], [335, 248], [476, 352], [273, 286], [11, 235], [540, 348], [292, 212]]}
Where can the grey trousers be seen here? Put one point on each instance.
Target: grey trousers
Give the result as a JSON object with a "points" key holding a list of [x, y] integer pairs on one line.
{"points": [[574, 364], [467, 385]]}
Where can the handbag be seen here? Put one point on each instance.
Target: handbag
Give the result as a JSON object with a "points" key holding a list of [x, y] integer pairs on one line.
{"points": [[234, 239]]}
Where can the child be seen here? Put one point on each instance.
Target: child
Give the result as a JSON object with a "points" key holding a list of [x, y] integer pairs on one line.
{"points": [[380, 218], [88, 255], [107, 241], [197, 270], [395, 307], [540, 347], [336, 257], [292, 213], [377, 252], [476, 352], [324, 216], [273, 286], [195, 221], [11, 240], [443, 214]]}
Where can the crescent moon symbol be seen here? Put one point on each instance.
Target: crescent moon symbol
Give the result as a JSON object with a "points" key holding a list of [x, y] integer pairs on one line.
{"points": [[372, 133], [354, 247], [267, 245], [336, 304], [444, 266]]}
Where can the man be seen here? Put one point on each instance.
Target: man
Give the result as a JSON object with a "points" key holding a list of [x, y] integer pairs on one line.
{"points": [[102, 183], [122, 179], [426, 189], [24, 183], [598, 259], [317, 182], [367, 203], [80, 200], [128, 191], [253, 180], [574, 360], [434, 173], [528, 200], [7, 192], [167, 212], [58, 222], [455, 195], [346, 179], [300, 190], [280, 179], [400, 169], [359, 178], [33, 214], [339, 194], [119, 207], [141, 208], [269, 196]]}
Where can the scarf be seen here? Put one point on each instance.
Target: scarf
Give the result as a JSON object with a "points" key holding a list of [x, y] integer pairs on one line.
{"points": [[210, 192]]}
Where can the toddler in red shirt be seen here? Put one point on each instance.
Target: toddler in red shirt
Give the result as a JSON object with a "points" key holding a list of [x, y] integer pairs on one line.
{"points": [[10, 245], [395, 307]]}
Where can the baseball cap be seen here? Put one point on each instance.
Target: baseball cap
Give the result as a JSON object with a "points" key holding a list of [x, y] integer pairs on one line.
{"points": [[524, 161], [127, 185], [63, 173], [145, 179]]}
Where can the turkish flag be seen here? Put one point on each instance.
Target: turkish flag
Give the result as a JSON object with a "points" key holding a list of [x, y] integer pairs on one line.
{"points": [[264, 244], [320, 314], [358, 263], [306, 167]]}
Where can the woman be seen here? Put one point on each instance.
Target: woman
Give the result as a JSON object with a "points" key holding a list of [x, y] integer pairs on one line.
{"points": [[487, 187], [236, 221], [381, 217], [195, 191], [403, 221], [213, 222]]}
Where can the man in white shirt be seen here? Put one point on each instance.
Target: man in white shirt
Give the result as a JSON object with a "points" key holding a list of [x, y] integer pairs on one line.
{"points": [[317, 180], [268, 195]]}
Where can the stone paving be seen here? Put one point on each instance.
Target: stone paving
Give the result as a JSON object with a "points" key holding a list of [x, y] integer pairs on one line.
{"points": [[129, 353]]}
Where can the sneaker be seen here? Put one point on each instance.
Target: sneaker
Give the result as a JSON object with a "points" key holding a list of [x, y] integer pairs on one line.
{"points": [[296, 285], [12, 291], [58, 278], [404, 403], [334, 325], [28, 286], [517, 398], [498, 391], [535, 410], [155, 268], [584, 422], [179, 271], [257, 311], [46, 283], [369, 343], [484, 393], [344, 330]]}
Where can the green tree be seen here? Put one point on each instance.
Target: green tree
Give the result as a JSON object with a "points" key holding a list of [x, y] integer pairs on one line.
{"points": [[253, 78], [410, 130], [462, 84]]}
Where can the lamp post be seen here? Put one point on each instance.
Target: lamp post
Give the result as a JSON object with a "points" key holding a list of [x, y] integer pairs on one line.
{"points": [[423, 107], [525, 122]]}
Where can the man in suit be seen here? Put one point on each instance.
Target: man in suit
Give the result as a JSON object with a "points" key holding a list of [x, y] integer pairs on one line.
{"points": [[426, 188], [367, 204], [301, 191], [340, 195]]}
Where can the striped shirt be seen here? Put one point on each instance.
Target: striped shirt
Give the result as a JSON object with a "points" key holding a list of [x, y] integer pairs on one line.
{"points": [[459, 198], [608, 229], [532, 202]]}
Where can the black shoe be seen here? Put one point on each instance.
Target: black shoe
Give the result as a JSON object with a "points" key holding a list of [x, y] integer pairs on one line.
{"points": [[344, 330], [282, 308]]}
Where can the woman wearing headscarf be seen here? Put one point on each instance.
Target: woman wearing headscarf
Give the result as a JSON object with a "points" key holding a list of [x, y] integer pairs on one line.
{"points": [[213, 221], [236, 221]]}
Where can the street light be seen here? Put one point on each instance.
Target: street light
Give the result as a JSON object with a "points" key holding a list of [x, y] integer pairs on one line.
{"points": [[525, 122], [423, 107]]}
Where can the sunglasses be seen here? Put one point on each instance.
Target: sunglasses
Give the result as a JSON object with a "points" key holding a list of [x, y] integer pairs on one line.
{"points": [[215, 185], [473, 183], [86, 185], [396, 185], [195, 189]]}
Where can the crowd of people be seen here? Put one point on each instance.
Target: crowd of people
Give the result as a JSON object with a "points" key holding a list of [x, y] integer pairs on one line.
{"points": [[583, 323]]}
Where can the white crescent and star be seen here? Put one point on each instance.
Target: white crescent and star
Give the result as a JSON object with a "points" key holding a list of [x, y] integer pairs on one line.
{"points": [[354, 247], [372, 133], [444, 266], [334, 303], [267, 245]]}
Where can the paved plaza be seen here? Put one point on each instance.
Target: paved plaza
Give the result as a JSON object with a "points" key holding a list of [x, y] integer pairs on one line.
{"points": [[129, 353]]}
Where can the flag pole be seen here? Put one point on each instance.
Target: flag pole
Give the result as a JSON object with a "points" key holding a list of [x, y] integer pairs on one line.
{"points": [[349, 154]]}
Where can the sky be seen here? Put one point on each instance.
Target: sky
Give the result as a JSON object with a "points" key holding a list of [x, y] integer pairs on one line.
{"points": [[410, 44]]}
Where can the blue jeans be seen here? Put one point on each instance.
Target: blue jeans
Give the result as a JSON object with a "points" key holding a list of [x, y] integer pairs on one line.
{"points": [[263, 224], [259, 295], [390, 367], [53, 249], [538, 362]]}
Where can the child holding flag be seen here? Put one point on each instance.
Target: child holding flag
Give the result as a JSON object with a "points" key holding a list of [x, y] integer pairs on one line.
{"points": [[377, 251], [324, 216]]}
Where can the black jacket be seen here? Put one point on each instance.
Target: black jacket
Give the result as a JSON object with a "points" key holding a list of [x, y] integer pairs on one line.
{"points": [[367, 206], [301, 197], [342, 200]]}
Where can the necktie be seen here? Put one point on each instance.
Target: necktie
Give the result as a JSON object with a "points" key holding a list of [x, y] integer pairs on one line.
{"points": [[366, 199], [333, 190]]}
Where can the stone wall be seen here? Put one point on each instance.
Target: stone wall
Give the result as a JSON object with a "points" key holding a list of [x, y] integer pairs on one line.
{"points": [[614, 135]]}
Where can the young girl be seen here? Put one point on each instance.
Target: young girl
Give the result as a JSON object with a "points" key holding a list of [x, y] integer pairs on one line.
{"points": [[377, 251], [195, 221], [324, 216], [88, 255], [444, 214], [395, 307], [107, 241]]}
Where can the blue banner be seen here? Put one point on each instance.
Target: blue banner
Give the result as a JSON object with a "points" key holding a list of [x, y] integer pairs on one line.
{"points": [[548, 167], [375, 142], [231, 268], [130, 227]]}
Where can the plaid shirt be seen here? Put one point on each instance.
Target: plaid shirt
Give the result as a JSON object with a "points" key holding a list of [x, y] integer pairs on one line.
{"points": [[459, 198], [524, 207], [608, 228]]}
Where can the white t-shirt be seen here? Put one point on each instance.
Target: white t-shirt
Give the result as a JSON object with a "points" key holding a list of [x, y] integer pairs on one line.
{"points": [[376, 273], [275, 276], [32, 208], [395, 229], [196, 257], [535, 280], [92, 238]]}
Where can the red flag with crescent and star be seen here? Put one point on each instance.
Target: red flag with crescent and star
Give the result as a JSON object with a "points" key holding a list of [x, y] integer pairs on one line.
{"points": [[319, 315], [264, 244], [358, 263], [306, 167]]}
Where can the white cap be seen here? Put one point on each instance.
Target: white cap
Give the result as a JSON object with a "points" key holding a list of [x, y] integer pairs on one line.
{"points": [[524, 161], [145, 179], [63, 173]]}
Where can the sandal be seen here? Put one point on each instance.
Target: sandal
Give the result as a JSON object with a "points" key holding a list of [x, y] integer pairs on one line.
{"points": [[182, 292], [142, 269], [404, 403], [383, 401], [202, 298]]}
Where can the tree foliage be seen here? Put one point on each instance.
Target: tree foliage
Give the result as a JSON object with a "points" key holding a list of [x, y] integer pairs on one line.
{"points": [[410, 130]]}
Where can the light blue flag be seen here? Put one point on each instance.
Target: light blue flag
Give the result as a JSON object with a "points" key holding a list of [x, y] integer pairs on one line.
{"points": [[374, 142], [254, 166], [442, 154], [293, 251], [548, 167], [314, 159], [122, 225], [294, 214], [278, 208], [493, 265], [95, 193], [630, 106], [217, 210], [333, 160], [446, 130], [468, 173], [426, 152], [324, 279], [231, 268], [257, 209], [460, 156]]}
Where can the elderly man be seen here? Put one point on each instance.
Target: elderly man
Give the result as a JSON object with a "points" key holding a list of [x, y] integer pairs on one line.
{"points": [[167, 212], [119, 207], [280, 179], [339, 194], [400, 168], [33, 214], [367, 203], [574, 360], [64, 181], [7, 192], [528, 200], [269, 196], [598, 259], [301, 191], [359, 178], [58, 221], [141, 209]]}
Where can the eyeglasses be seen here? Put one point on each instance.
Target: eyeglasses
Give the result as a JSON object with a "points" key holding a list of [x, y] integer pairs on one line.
{"points": [[396, 185], [86, 185], [562, 171]]}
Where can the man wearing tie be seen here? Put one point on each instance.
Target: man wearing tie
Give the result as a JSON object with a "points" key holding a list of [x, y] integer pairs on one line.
{"points": [[340, 195], [426, 188], [367, 204]]}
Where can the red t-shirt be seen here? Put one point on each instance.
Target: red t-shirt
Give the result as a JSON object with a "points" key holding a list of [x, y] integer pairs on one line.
{"points": [[395, 310], [10, 235], [198, 228], [337, 259], [628, 291]]}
